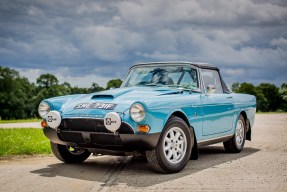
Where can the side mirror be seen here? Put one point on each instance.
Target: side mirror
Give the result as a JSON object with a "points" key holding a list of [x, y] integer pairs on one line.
{"points": [[210, 89]]}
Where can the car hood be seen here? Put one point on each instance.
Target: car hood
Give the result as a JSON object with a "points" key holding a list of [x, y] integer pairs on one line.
{"points": [[121, 98]]}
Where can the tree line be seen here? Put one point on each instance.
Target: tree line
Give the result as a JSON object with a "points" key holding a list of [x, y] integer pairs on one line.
{"points": [[269, 97], [19, 98]]}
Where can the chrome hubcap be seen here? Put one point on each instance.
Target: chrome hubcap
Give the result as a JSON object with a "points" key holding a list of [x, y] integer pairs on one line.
{"points": [[75, 151], [239, 136], [174, 145]]}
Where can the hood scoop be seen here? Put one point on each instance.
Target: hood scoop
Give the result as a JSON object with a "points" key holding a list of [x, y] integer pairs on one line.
{"points": [[106, 97]]}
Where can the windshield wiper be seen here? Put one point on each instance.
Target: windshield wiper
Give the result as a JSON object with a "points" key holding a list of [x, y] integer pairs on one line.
{"points": [[185, 88], [151, 84], [195, 90], [145, 83]]}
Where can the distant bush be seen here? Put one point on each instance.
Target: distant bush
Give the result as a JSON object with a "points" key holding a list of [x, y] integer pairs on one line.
{"points": [[269, 97]]}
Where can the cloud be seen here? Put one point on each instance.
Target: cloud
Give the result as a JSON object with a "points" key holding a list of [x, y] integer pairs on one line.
{"points": [[107, 43], [280, 42], [247, 39], [63, 76], [211, 13]]}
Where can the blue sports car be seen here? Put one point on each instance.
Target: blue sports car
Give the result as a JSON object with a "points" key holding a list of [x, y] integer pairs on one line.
{"points": [[165, 110]]}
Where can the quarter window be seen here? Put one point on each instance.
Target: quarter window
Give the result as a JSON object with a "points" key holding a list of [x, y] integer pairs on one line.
{"points": [[211, 80]]}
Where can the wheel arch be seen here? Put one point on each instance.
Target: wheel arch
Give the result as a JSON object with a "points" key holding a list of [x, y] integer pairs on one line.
{"points": [[180, 114], [248, 127]]}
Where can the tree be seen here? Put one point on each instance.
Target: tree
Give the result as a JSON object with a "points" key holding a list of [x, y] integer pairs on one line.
{"points": [[283, 95], [283, 91], [79, 90], [247, 88], [271, 93], [47, 80], [262, 103], [114, 83], [235, 87], [15, 92], [95, 88]]}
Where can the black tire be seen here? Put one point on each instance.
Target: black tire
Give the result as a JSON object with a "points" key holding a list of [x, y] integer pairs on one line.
{"points": [[63, 153], [157, 158], [233, 146]]}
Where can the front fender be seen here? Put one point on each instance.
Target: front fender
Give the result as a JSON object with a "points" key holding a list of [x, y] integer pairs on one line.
{"points": [[155, 118], [56, 103]]}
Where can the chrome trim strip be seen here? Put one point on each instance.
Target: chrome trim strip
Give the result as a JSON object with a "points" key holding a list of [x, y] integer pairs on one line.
{"points": [[249, 103], [222, 137], [177, 107]]}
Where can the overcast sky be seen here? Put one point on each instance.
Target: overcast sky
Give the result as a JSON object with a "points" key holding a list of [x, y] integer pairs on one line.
{"points": [[89, 41]]}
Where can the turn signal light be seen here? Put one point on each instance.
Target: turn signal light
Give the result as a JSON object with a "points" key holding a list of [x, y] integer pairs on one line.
{"points": [[143, 128], [44, 124]]}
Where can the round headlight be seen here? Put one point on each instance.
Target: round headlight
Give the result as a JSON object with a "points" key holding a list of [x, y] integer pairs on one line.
{"points": [[137, 112], [43, 109]]}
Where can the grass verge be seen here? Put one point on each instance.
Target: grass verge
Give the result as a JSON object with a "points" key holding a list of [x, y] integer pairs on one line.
{"points": [[20, 121], [26, 141]]}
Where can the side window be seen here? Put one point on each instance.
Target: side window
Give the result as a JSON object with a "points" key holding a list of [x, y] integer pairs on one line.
{"points": [[211, 81]]}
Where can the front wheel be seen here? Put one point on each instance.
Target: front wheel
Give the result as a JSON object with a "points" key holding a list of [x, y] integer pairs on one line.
{"points": [[236, 144], [173, 149], [69, 154]]}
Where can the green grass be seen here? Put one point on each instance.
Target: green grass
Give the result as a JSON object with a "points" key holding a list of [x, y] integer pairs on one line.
{"points": [[20, 121], [26, 141]]}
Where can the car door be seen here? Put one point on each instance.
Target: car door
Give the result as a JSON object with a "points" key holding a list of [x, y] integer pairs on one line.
{"points": [[217, 106]]}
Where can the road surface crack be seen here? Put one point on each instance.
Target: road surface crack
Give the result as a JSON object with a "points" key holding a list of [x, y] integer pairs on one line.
{"points": [[113, 172]]}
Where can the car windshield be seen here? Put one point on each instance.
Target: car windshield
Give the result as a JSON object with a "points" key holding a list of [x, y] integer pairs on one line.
{"points": [[184, 77]]}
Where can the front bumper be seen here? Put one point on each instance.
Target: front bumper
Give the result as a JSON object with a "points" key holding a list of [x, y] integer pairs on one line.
{"points": [[101, 140]]}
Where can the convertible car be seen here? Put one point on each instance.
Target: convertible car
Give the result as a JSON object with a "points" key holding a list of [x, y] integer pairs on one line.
{"points": [[164, 110]]}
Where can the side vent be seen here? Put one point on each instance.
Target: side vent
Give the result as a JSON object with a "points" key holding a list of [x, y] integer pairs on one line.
{"points": [[103, 97]]}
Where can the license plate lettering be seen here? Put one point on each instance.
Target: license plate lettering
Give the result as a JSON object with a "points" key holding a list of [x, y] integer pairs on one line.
{"points": [[106, 106]]}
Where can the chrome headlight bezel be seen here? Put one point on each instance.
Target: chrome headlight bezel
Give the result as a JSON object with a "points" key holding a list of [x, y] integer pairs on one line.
{"points": [[43, 109], [137, 112]]}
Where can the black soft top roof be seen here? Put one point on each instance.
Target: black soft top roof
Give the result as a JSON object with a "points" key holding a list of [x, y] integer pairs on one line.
{"points": [[197, 64]]}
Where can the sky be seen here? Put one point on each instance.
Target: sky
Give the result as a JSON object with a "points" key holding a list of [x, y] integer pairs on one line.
{"points": [[86, 41]]}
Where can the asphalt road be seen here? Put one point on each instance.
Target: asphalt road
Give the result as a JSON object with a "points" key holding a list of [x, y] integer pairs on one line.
{"points": [[261, 166]]}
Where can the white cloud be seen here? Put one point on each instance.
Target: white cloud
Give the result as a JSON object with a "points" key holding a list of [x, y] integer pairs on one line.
{"points": [[62, 75], [34, 11], [160, 56], [48, 46], [108, 43], [233, 72], [163, 12], [280, 42], [103, 38], [90, 7]]}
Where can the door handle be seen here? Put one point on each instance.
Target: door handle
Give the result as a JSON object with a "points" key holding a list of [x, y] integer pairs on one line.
{"points": [[229, 97]]}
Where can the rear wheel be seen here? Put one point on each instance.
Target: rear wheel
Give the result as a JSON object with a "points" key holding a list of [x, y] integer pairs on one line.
{"points": [[236, 144], [69, 154], [173, 149]]}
